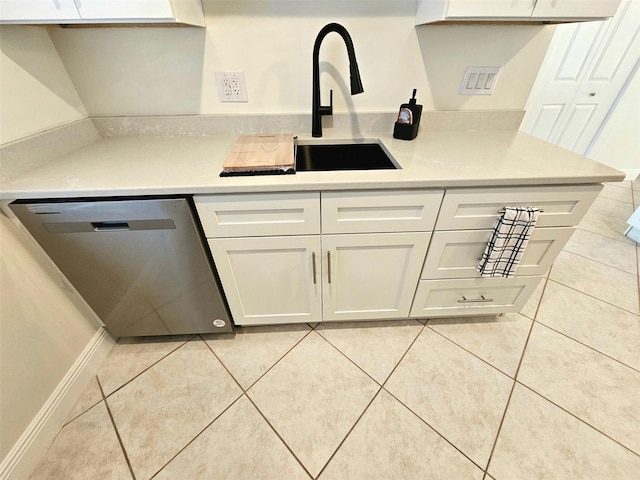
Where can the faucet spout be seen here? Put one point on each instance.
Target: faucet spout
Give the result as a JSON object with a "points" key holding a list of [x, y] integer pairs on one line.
{"points": [[356, 83]]}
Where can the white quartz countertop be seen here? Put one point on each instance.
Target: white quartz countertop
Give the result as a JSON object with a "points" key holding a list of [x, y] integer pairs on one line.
{"points": [[128, 165]]}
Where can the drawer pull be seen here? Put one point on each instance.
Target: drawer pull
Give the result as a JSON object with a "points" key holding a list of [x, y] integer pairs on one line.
{"points": [[313, 260], [502, 210], [329, 265], [475, 300]]}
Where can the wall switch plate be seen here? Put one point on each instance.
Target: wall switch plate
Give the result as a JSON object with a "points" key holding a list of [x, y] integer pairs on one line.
{"points": [[231, 87], [479, 80]]}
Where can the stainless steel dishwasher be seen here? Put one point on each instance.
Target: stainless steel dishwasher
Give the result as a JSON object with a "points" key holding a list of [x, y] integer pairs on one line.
{"points": [[139, 263]]}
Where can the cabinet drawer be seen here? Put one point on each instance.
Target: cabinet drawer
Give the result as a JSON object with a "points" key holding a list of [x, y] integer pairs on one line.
{"points": [[380, 211], [456, 254], [477, 208], [259, 214], [481, 296]]}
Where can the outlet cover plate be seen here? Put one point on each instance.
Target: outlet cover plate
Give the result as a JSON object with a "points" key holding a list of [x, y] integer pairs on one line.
{"points": [[232, 87], [479, 80]]}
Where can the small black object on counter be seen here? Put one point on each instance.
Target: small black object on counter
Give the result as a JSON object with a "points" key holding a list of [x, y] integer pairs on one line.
{"points": [[408, 122]]}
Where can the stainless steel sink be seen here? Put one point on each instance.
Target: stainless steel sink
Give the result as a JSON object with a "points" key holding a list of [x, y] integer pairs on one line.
{"points": [[343, 156]]}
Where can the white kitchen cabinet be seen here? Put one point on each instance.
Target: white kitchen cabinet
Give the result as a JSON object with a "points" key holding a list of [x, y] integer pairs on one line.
{"points": [[371, 276], [270, 280], [431, 11], [38, 11], [274, 269], [450, 285], [187, 12]]}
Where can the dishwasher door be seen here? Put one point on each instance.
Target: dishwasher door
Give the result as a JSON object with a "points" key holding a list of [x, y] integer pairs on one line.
{"points": [[140, 264]]}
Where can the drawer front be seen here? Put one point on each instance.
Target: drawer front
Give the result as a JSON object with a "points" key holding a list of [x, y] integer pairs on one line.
{"points": [[259, 214], [482, 296], [478, 208], [380, 211], [456, 254]]}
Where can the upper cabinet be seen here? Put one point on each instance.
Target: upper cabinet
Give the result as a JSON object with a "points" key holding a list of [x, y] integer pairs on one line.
{"points": [[185, 12], [554, 11]]}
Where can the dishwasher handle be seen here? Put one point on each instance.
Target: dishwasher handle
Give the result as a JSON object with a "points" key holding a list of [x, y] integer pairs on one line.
{"points": [[110, 226]]}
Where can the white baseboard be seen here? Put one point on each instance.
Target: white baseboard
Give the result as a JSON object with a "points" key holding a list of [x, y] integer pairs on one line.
{"points": [[34, 441]]}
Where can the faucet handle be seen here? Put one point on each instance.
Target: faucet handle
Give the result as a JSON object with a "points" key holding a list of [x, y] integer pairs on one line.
{"points": [[327, 110]]}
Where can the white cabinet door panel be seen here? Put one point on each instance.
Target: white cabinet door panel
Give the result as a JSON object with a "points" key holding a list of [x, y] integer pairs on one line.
{"points": [[456, 254], [380, 211], [129, 9], [371, 276], [470, 296], [575, 8], [270, 280]]}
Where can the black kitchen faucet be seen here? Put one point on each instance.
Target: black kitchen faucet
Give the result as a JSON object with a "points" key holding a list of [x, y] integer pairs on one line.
{"points": [[356, 84]]}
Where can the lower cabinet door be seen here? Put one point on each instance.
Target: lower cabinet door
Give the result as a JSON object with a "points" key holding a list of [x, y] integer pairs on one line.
{"points": [[270, 280], [472, 296], [371, 276]]}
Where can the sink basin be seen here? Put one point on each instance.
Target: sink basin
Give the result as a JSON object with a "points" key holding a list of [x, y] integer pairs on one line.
{"points": [[343, 156]]}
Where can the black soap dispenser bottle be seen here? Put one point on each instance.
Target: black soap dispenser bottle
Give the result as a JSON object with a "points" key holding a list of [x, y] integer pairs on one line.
{"points": [[408, 122]]}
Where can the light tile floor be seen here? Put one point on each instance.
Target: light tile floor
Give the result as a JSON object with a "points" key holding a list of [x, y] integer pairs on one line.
{"points": [[551, 392]]}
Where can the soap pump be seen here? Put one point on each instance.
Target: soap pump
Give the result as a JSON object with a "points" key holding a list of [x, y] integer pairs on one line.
{"points": [[406, 126]]}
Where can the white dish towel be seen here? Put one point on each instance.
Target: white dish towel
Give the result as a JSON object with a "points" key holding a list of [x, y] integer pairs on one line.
{"points": [[508, 241]]}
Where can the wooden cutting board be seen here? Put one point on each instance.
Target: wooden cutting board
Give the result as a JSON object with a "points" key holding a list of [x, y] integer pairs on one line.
{"points": [[261, 153]]}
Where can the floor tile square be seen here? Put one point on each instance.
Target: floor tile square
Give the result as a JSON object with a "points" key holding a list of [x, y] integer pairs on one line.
{"points": [[312, 398], [498, 340], [391, 442], [376, 347], [457, 394], [614, 253], [131, 356], [601, 281], [601, 391], [251, 351], [85, 448], [609, 218], [238, 445], [540, 440], [163, 409], [608, 329]]}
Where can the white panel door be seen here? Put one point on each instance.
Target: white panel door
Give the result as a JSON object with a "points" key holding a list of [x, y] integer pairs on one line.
{"points": [[583, 73], [37, 10], [269, 280], [371, 276]]}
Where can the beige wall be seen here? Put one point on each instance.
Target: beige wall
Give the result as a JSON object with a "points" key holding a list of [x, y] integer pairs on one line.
{"points": [[163, 71], [35, 89], [618, 144], [42, 332]]}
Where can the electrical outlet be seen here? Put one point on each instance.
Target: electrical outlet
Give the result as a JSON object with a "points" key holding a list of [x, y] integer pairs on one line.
{"points": [[479, 80], [231, 87]]}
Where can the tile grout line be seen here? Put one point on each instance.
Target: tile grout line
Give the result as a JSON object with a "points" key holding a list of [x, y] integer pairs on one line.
{"points": [[279, 436], [581, 420], [380, 385], [245, 393], [437, 432], [594, 297], [115, 428], [588, 346], [196, 436], [149, 367], [515, 376], [433, 428], [344, 439]]}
